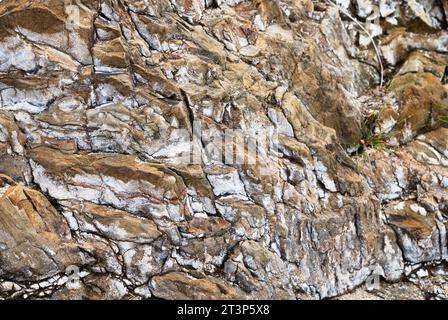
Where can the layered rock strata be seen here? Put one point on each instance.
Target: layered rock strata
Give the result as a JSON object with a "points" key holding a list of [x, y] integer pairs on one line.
{"points": [[231, 149]]}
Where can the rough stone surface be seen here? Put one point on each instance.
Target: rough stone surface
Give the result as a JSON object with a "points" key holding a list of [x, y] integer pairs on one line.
{"points": [[102, 102]]}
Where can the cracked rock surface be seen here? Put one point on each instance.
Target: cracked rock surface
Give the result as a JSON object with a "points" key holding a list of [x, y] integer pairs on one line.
{"points": [[111, 113]]}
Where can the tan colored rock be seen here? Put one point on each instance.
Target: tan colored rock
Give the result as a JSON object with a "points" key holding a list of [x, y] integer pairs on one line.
{"points": [[11, 138], [423, 103], [36, 241], [178, 285], [425, 61], [93, 287], [432, 147], [417, 231], [113, 224], [190, 9], [110, 54], [121, 181], [397, 46]]}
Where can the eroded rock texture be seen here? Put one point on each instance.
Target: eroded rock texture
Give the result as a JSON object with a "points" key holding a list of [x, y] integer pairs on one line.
{"points": [[100, 101]]}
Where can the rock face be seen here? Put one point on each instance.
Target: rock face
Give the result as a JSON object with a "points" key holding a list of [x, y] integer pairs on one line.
{"points": [[231, 149]]}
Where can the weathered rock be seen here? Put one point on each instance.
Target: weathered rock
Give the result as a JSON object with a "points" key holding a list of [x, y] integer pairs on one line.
{"points": [[35, 240], [120, 181], [182, 286], [418, 233], [223, 149], [110, 223], [423, 104]]}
